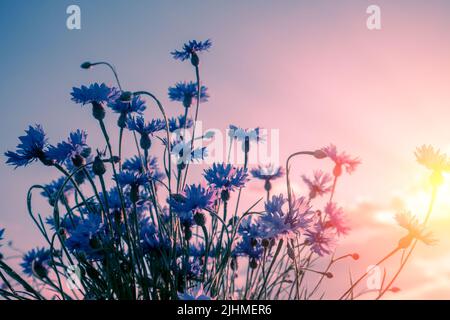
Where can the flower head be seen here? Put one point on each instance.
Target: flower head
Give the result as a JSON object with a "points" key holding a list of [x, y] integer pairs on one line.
{"points": [[139, 125], [99, 93], [184, 153], [319, 184], [31, 148], [320, 239], [129, 178], [88, 238], [415, 229], [336, 219], [190, 48], [74, 149], [36, 262], [267, 173], [136, 105], [194, 199], [179, 123], [341, 160], [185, 92], [278, 223], [226, 177], [250, 247], [136, 164], [432, 159]]}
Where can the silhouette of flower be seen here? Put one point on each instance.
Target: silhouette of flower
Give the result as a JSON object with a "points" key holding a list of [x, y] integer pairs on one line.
{"points": [[319, 184], [341, 160], [185, 92], [226, 177], [75, 149], [190, 48], [36, 262], [32, 147], [336, 218], [415, 230], [99, 93]]}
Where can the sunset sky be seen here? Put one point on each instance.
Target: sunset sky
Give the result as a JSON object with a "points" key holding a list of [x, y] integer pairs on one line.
{"points": [[310, 69]]}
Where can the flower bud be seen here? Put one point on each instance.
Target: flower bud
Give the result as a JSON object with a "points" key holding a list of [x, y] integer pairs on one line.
{"points": [[98, 111], [329, 275], [225, 195], [187, 233], [355, 256], [405, 242], [134, 193], [78, 161], [126, 96], [234, 264], [38, 269], [86, 65], [98, 167], [195, 59], [253, 263], [267, 185], [145, 142], [319, 154], [199, 218], [265, 243], [247, 144], [187, 101], [95, 242], [337, 171], [122, 121]]}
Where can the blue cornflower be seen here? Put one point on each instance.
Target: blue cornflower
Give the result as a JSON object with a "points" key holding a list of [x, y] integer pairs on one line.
{"points": [[267, 173], [135, 164], [190, 50], [32, 147], [185, 92], [126, 108], [36, 262], [52, 189], [150, 239], [194, 199], [226, 177], [320, 238], [178, 123], [129, 178], [246, 136], [67, 223], [248, 228], [276, 223], [184, 153], [99, 93], [249, 247], [139, 125], [136, 105], [75, 149], [88, 238]]}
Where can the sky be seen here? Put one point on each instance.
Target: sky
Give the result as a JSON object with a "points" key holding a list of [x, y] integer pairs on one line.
{"points": [[309, 69]]}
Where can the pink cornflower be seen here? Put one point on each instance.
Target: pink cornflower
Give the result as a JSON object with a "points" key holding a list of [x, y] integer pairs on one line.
{"points": [[341, 160], [320, 239], [319, 184], [336, 219]]}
